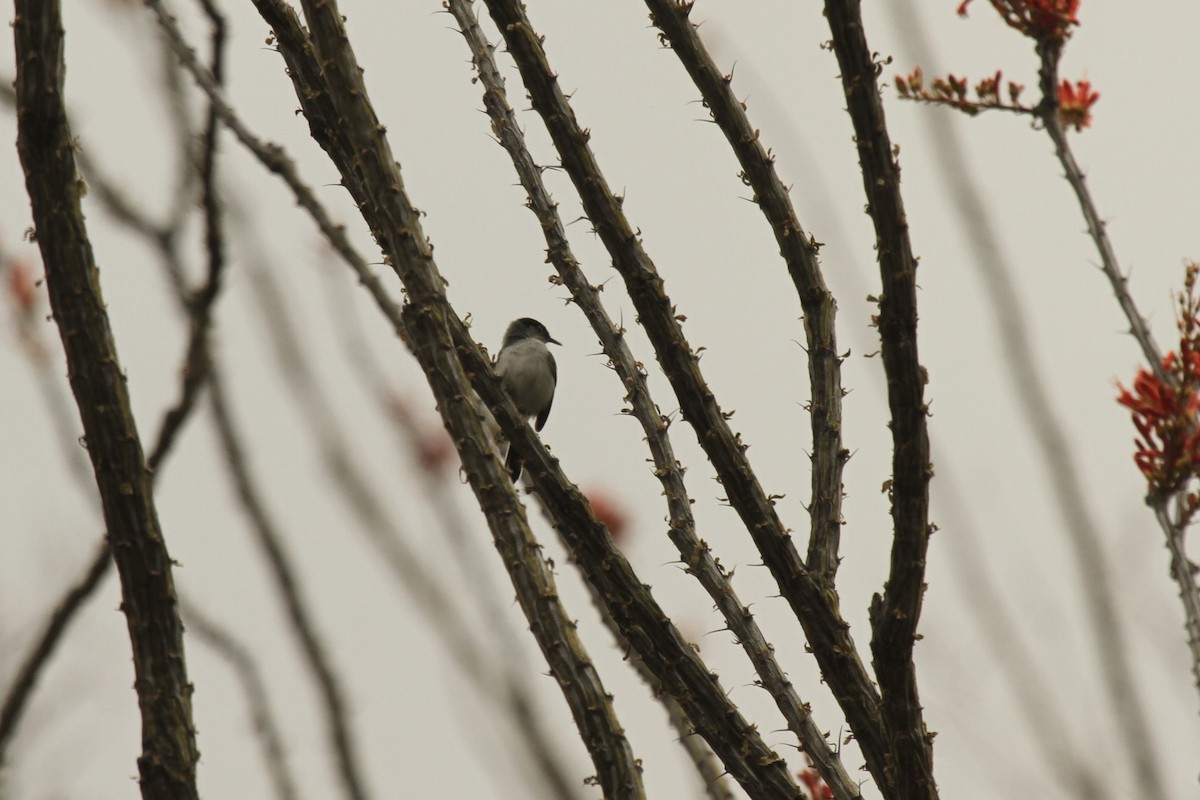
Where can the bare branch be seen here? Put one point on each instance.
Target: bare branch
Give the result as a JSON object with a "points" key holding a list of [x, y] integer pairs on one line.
{"points": [[1101, 605], [272, 156], [168, 762], [895, 614], [824, 362], [1050, 52], [827, 633], [799, 252]]}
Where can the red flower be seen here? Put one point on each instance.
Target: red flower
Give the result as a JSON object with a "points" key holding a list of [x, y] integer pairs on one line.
{"points": [[1166, 404], [1043, 20], [1168, 449], [1075, 104]]}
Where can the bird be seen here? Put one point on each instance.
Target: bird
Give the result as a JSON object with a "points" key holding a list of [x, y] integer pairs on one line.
{"points": [[529, 374]]}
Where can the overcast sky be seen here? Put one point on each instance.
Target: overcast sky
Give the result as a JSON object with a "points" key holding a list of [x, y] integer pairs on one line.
{"points": [[417, 719]]}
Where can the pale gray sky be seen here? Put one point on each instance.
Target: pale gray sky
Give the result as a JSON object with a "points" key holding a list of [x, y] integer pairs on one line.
{"points": [[416, 718]]}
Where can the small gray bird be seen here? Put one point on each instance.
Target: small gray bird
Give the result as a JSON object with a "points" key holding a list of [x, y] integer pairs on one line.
{"points": [[529, 374]]}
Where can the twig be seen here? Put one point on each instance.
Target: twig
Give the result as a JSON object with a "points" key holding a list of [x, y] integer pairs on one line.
{"points": [[1050, 52], [167, 765], [275, 159], [179, 114]]}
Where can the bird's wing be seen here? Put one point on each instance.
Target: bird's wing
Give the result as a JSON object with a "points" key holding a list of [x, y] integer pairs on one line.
{"points": [[545, 412]]}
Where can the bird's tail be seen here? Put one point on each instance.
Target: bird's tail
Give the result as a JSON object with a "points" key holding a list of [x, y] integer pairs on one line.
{"points": [[513, 463]]}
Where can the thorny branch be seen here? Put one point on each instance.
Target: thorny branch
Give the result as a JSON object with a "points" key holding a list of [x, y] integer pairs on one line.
{"points": [[889, 723], [826, 631], [895, 614], [799, 252], [1050, 51], [167, 765], [824, 362], [1184, 572], [694, 553]]}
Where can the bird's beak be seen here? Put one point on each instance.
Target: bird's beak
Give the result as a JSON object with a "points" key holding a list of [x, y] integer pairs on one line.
{"points": [[552, 340]]}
